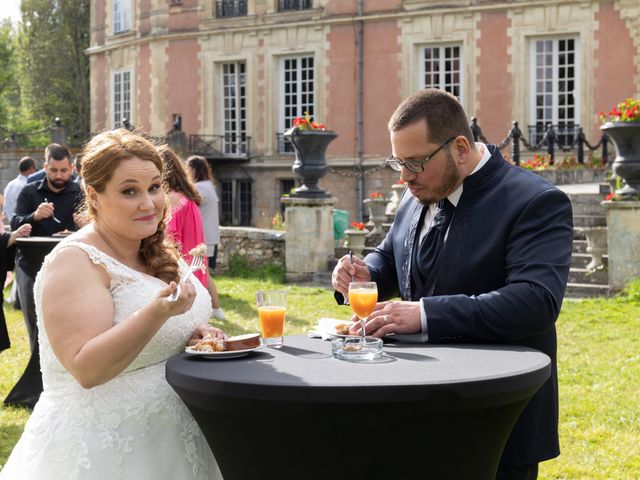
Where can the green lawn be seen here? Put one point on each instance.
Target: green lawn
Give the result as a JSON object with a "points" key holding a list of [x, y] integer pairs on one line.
{"points": [[599, 367]]}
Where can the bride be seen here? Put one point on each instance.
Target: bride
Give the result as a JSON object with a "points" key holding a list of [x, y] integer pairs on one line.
{"points": [[106, 329]]}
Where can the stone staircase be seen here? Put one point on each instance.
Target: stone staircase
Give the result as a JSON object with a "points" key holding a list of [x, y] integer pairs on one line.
{"points": [[587, 212]]}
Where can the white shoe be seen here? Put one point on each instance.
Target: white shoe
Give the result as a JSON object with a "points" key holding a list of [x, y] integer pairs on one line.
{"points": [[217, 313]]}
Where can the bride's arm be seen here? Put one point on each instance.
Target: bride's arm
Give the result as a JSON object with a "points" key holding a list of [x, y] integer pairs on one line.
{"points": [[78, 314]]}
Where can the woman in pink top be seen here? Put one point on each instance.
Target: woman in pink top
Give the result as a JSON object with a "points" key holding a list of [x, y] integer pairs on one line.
{"points": [[185, 225]]}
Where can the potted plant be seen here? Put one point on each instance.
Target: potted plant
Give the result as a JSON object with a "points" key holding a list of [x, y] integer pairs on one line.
{"points": [[310, 141], [622, 126], [377, 206], [355, 237]]}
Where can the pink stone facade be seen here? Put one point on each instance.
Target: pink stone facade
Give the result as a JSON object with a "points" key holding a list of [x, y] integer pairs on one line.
{"points": [[176, 52], [616, 75], [493, 78]]}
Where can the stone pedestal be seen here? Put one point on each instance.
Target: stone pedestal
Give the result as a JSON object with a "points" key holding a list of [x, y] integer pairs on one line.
{"points": [[623, 225], [309, 244]]}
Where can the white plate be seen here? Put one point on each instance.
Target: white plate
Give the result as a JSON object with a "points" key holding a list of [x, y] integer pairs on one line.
{"points": [[326, 326], [221, 355]]}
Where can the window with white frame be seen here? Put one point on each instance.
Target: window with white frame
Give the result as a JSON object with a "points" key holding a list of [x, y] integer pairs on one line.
{"points": [[441, 67], [234, 108], [121, 97], [554, 90], [121, 16], [296, 92]]}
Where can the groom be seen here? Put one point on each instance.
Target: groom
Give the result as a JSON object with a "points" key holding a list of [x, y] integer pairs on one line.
{"points": [[479, 251]]}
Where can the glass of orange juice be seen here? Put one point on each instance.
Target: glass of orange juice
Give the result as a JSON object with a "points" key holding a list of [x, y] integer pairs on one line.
{"points": [[363, 297], [272, 307]]}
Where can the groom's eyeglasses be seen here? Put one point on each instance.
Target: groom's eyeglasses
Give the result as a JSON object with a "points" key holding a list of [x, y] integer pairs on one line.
{"points": [[415, 166]]}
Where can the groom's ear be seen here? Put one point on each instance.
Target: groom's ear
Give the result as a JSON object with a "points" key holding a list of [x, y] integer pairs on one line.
{"points": [[462, 149]]}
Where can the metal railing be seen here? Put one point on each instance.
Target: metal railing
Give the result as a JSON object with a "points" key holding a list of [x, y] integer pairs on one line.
{"points": [[231, 8], [220, 146], [290, 5], [284, 144], [567, 138]]}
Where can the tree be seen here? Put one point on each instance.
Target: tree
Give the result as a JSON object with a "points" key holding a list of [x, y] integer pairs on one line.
{"points": [[9, 91], [53, 68]]}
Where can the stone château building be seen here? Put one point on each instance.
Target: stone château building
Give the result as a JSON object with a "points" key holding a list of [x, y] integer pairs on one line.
{"points": [[232, 74]]}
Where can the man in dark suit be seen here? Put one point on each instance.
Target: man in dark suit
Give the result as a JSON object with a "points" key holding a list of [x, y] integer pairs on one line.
{"points": [[479, 251]]}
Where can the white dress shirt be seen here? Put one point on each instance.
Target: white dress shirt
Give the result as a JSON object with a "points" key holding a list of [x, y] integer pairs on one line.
{"points": [[11, 192]]}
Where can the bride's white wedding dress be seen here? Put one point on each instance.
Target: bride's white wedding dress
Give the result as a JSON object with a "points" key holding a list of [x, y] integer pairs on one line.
{"points": [[132, 427]]}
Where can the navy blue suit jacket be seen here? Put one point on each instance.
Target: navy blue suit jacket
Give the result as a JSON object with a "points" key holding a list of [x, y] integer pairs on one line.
{"points": [[504, 272]]}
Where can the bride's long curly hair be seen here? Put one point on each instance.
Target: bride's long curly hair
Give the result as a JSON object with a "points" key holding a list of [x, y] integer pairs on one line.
{"points": [[101, 157]]}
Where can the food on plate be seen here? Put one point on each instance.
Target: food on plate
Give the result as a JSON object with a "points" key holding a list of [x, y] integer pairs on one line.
{"points": [[342, 328], [199, 250], [243, 342], [210, 344], [62, 233]]}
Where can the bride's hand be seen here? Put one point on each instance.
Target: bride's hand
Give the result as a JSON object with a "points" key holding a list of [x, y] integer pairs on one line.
{"points": [[184, 301], [203, 330]]}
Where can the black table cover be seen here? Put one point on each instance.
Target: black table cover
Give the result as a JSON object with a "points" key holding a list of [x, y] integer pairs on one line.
{"points": [[423, 411]]}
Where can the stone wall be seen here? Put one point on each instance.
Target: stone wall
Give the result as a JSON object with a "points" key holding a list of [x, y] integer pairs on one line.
{"points": [[258, 246]]}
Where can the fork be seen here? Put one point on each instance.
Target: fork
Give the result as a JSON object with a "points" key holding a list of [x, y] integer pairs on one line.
{"points": [[196, 264], [54, 216]]}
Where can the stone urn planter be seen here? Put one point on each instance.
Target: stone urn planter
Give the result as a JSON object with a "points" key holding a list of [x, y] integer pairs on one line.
{"points": [[377, 215], [397, 189], [310, 164], [596, 246], [626, 138], [355, 240]]}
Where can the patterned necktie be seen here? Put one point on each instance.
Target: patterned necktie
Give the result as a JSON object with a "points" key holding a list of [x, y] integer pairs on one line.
{"points": [[426, 259], [407, 250]]}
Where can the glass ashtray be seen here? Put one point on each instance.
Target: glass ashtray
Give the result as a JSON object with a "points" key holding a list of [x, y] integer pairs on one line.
{"points": [[353, 349]]}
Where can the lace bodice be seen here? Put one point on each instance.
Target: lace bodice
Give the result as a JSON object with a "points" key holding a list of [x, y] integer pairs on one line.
{"points": [[130, 290], [133, 426]]}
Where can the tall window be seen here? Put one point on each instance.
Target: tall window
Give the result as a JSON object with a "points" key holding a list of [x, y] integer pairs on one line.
{"points": [[121, 97], [555, 87], [296, 92], [235, 202], [441, 67], [231, 8], [286, 186], [234, 108], [121, 16], [287, 5]]}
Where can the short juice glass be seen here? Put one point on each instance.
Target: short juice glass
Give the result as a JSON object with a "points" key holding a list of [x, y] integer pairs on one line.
{"points": [[272, 307]]}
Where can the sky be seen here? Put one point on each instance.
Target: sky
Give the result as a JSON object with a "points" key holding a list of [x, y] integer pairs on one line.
{"points": [[10, 8]]}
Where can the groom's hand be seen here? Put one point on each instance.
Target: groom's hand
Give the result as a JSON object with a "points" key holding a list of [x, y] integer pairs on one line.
{"points": [[347, 271], [391, 317]]}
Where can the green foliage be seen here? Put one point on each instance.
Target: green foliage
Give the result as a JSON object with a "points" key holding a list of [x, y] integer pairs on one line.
{"points": [[9, 92], [53, 68], [632, 292], [240, 267]]}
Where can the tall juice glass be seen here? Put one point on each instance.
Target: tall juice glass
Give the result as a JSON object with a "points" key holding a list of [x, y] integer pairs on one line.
{"points": [[272, 307], [363, 297]]}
